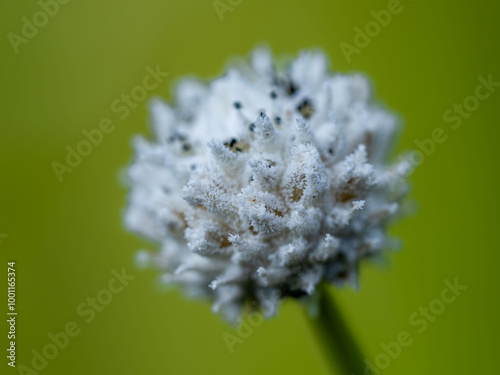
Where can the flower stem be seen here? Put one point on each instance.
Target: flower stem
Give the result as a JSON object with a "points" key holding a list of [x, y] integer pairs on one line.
{"points": [[336, 340]]}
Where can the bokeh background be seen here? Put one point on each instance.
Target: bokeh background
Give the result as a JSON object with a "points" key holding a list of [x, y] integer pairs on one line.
{"points": [[66, 237]]}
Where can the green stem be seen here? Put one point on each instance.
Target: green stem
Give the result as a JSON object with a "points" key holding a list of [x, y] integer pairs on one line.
{"points": [[335, 338]]}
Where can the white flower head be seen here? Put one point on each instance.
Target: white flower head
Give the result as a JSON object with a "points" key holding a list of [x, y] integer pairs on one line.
{"points": [[264, 182]]}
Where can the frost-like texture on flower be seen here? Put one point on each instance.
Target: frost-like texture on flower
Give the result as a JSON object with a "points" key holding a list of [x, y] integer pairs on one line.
{"points": [[264, 182]]}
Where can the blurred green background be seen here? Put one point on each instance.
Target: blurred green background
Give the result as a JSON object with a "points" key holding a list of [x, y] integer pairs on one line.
{"points": [[66, 237]]}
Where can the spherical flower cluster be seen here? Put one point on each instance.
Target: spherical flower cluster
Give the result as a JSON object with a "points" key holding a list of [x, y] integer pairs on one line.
{"points": [[265, 182]]}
